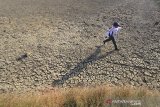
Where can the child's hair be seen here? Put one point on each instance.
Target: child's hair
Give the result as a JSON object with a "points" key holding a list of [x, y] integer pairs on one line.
{"points": [[115, 24]]}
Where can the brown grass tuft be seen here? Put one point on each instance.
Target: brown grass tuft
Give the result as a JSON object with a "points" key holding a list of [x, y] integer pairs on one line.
{"points": [[82, 97]]}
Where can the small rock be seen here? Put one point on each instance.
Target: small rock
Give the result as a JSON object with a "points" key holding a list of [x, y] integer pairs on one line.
{"points": [[148, 74], [156, 23], [22, 57]]}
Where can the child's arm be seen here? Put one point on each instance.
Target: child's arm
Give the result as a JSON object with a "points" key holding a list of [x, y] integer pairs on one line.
{"points": [[119, 28], [107, 33]]}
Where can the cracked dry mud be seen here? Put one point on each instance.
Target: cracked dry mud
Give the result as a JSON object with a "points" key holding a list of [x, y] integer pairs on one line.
{"points": [[58, 43]]}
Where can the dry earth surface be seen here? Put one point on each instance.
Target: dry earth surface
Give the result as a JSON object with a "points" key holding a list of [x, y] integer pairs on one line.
{"points": [[58, 43]]}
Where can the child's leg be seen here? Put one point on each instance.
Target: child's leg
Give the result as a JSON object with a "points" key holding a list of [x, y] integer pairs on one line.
{"points": [[109, 39], [114, 42]]}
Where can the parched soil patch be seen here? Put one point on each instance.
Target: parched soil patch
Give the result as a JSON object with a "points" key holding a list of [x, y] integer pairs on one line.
{"points": [[58, 43]]}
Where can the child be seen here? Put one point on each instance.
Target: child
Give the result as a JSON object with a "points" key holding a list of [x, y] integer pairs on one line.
{"points": [[112, 33]]}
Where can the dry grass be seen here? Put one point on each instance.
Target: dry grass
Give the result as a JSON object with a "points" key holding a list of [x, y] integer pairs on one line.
{"points": [[83, 97]]}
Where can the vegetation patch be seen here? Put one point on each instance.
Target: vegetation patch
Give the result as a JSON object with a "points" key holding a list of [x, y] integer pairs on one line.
{"points": [[102, 96]]}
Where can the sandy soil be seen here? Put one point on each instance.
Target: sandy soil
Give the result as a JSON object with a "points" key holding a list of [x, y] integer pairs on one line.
{"points": [[58, 43]]}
